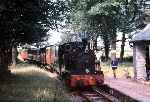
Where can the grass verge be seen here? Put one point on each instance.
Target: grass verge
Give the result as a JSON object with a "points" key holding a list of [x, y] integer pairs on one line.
{"points": [[32, 84], [123, 70]]}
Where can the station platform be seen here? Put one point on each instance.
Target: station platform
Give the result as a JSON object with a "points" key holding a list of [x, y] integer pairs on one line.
{"points": [[139, 91]]}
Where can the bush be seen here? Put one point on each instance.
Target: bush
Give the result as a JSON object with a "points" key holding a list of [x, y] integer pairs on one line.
{"points": [[128, 59]]}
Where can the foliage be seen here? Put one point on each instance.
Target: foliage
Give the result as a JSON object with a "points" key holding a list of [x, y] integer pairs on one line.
{"points": [[93, 16], [108, 7], [96, 18], [28, 21], [104, 18]]}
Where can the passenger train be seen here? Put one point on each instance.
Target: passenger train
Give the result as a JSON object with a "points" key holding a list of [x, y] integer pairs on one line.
{"points": [[77, 62]]}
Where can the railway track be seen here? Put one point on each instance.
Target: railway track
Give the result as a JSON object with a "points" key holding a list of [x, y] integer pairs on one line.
{"points": [[96, 95]]}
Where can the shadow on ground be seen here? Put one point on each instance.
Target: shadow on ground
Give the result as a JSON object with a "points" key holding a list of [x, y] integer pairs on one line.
{"points": [[31, 84]]}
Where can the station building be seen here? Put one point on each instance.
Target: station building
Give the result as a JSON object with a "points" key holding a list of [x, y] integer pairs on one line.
{"points": [[141, 52]]}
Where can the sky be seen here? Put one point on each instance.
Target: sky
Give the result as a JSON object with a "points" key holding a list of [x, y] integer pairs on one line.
{"points": [[55, 37]]}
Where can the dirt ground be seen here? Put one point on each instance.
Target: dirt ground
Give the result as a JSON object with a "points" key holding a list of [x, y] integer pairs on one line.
{"points": [[32, 84], [124, 70]]}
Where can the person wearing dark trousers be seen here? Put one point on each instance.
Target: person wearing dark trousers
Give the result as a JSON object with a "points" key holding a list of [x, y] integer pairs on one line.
{"points": [[114, 65], [147, 65]]}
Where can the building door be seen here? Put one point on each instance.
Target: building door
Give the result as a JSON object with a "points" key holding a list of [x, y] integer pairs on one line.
{"points": [[147, 59]]}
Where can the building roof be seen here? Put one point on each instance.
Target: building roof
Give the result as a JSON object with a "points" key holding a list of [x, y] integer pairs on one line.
{"points": [[143, 35]]}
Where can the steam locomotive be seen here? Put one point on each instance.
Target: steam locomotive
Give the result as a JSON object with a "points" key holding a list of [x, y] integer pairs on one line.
{"points": [[77, 65]]}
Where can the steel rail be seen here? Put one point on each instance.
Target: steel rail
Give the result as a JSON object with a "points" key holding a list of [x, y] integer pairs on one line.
{"points": [[96, 95], [107, 96]]}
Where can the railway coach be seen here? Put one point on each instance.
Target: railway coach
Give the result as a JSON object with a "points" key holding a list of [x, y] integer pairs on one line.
{"points": [[45, 57], [48, 55]]}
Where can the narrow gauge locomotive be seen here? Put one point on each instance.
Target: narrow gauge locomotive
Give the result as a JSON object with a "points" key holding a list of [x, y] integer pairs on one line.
{"points": [[78, 60]]}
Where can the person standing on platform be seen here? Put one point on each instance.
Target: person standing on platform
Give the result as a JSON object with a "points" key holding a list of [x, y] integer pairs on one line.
{"points": [[114, 65], [147, 65], [97, 62]]}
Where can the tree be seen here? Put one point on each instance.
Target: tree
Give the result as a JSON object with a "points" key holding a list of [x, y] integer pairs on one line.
{"points": [[97, 18], [27, 21], [105, 18], [128, 19]]}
